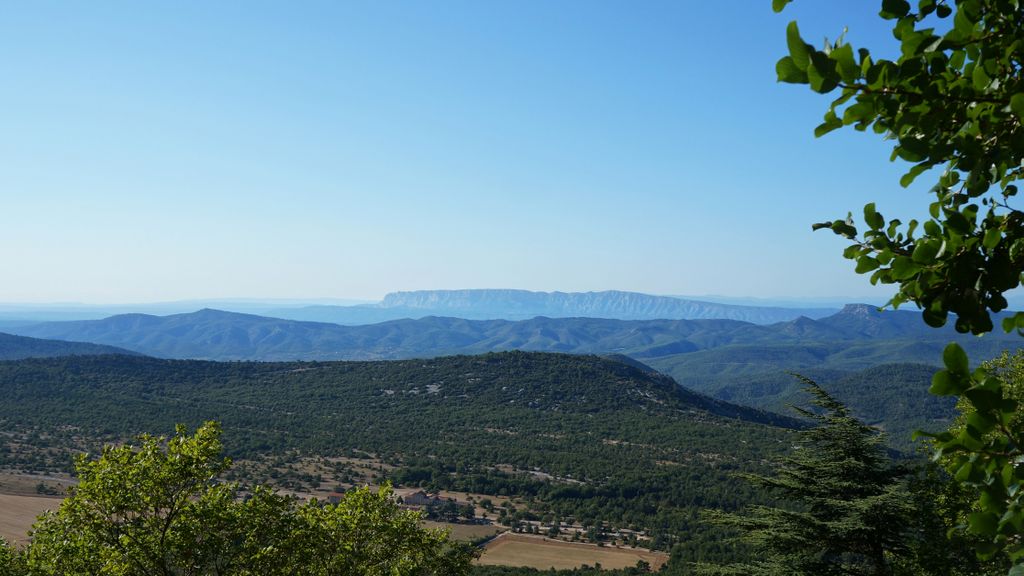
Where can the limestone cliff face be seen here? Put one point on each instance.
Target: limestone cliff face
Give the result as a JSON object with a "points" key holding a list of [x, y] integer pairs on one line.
{"points": [[518, 304], [869, 321]]}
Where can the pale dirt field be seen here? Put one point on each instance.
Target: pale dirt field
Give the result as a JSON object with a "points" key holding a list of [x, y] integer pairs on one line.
{"points": [[18, 512], [465, 532], [23, 483], [543, 553]]}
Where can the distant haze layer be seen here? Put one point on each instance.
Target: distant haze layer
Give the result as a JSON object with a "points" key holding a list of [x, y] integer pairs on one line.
{"points": [[524, 304], [482, 304]]}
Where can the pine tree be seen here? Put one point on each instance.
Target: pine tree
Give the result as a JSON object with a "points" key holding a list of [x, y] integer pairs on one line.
{"points": [[845, 511]]}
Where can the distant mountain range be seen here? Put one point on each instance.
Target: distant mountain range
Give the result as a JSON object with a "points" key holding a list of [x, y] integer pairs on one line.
{"points": [[217, 335], [889, 354], [524, 304], [15, 314]]}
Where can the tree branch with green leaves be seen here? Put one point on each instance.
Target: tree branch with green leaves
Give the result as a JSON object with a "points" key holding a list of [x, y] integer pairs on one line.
{"points": [[159, 507], [952, 103]]}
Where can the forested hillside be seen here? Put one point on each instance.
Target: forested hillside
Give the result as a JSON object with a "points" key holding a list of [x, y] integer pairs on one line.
{"points": [[734, 361], [589, 437], [893, 397], [16, 347]]}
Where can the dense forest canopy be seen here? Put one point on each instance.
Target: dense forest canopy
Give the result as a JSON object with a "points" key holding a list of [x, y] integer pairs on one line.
{"points": [[587, 437]]}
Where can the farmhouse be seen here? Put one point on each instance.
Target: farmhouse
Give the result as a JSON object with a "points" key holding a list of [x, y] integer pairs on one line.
{"points": [[421, 498]]}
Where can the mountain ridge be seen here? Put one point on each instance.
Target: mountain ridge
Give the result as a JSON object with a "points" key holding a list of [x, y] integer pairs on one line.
{"points": [[217, 335], [511, 304], [728, 360], [14, 347]]}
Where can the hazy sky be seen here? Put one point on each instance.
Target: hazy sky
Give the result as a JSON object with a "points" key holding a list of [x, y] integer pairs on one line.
{"points": [[160, 151]]}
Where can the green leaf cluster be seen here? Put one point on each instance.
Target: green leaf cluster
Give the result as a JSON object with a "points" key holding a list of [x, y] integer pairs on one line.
{"points": [[982, 448], [953, 104], [11, 563]]}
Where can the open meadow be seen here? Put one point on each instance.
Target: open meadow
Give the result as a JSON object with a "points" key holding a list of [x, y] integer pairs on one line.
{"points": [[543, 553]]}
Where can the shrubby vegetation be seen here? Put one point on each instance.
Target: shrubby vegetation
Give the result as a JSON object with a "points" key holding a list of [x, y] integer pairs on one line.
{"points": [[624, 447], [574, 436], [18, 347], [842, 506], [11, 562], [1009, 368], [160, 508], [892, 396]]}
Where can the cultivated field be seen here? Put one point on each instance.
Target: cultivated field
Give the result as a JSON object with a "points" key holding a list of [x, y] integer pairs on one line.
{"points": [[543, 553], [20, 501], [30, 484], [465, 532], [18, 512]]}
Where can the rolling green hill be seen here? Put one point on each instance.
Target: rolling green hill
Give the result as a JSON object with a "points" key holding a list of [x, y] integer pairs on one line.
{"points": [[17, 347], [316, 406], [897, 372], [730, 360], [893, 397], [629, 445], [857, 337]]}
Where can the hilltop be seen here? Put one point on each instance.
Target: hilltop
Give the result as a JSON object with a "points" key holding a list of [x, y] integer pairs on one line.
{"points": [[17, 347], [349, 402], [581, 436], [731, 360]]}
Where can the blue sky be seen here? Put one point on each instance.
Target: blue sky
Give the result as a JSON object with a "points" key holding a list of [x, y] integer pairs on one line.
{"points": [[163, 151]]}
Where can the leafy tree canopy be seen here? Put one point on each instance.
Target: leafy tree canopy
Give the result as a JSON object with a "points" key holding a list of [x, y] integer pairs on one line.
{"points": [[159, 509], [10, 562], [952, 101]]}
